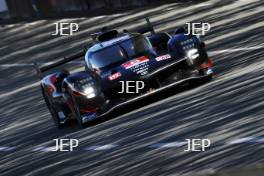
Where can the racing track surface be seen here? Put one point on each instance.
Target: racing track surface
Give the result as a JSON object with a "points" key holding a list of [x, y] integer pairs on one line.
{"points": [[148, 140]]}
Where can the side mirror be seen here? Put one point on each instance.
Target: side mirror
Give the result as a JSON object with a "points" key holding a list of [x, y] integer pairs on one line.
{"points": [[179, 30]]}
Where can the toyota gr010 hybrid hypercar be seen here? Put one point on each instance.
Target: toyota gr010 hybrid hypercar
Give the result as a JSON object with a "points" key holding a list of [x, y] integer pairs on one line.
{"points": [[115, 63]]}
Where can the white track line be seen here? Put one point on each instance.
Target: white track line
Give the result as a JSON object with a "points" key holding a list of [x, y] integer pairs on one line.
{"points": [[168, 145], [21, 89], [236, 50], [15, 65], [246, 140], [102, 147], [165, 145], [7, 149], [240, 141], [45, 149], [204, 4]]}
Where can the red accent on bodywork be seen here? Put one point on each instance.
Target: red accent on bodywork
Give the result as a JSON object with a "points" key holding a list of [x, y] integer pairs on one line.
{"points": [[114, 76], [143, 58], [53, 79], [135, 62], [207, 64], [88, 110], [51, 88], [76, 93]]}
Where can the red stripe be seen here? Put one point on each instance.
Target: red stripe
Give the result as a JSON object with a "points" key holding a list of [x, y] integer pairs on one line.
{"points": [[207, 64], [88, 110]]}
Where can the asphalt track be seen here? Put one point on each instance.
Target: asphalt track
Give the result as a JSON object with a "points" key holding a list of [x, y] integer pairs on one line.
{"points": [[149, 140]]}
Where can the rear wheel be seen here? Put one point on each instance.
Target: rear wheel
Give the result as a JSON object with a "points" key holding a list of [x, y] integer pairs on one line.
{"points": [[53, 111]]}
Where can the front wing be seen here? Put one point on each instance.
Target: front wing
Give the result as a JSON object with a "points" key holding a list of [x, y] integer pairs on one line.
{"points": [[115, 105]]}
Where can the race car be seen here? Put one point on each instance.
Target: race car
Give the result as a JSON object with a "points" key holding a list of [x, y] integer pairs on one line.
{"points": [[122, 68]]}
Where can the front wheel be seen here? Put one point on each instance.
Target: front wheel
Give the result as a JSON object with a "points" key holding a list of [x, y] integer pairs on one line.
{"points": [[78, 116], [52, 110], [76, 111]]}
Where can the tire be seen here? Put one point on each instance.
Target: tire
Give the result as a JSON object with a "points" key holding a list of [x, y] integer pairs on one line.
{"points": [[52, 110], [201, 81], [78, 116], [76, 112]]}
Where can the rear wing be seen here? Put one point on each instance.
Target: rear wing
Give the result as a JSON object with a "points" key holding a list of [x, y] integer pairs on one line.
{"points": [[41, 69]]}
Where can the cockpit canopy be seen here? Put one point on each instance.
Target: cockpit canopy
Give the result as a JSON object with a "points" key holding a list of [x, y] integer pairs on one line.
{"points": [[119, 51]]}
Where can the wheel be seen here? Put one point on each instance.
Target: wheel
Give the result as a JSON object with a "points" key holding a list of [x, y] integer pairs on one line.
{"points": [[78, 116], [202, 72], [76, 111], [53, 111]]}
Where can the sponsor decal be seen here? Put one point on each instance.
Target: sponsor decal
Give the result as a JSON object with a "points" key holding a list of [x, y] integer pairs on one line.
{"points": [[135, 62], [164, 57], [114, 76], [186, 42], [141, 69]]}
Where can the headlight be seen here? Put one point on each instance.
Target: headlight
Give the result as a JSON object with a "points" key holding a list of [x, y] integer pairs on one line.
{"points": [[192, 55], [89, 92]]}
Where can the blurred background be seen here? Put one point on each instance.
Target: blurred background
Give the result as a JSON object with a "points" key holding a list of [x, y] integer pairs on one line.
{"points": [[37, 9], [229, 110]]}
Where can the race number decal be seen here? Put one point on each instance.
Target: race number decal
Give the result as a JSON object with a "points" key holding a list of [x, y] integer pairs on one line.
{"points": [[164, 57], [135, 62]]}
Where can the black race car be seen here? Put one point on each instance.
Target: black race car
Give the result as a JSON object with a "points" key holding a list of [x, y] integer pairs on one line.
{"points": [[122, 68]]}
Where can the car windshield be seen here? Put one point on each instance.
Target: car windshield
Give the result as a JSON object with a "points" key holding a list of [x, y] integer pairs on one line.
{"points": [[121, 52]]}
